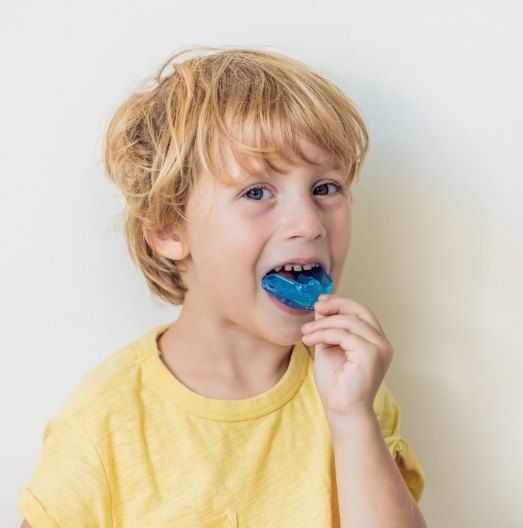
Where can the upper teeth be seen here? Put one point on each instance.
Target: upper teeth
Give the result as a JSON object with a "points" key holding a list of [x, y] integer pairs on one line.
{"points": [[297, 267]]}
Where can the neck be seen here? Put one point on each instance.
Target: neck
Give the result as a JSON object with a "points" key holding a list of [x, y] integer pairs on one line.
{"points": [[218, 359]]}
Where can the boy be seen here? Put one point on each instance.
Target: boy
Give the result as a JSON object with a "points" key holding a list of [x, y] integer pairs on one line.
{"points": [[245, 412]]}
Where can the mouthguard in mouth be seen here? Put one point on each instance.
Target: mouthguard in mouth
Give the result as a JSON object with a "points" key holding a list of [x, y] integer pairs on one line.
{"points": [[301, 293]]}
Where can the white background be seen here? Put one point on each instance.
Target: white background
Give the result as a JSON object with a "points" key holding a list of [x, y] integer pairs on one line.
{"points": [[438, 236]]}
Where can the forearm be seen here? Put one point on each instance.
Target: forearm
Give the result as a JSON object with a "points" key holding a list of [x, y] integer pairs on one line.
{"points": [[371, 490]]}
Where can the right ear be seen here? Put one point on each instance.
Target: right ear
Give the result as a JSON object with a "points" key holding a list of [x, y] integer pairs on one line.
{"points": [[168, 243]]}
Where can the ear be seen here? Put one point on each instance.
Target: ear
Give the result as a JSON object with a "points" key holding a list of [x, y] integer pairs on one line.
{"points": [[168, 243]]}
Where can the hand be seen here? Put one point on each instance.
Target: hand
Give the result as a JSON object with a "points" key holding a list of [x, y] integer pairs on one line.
{"points": [[352, 355]]}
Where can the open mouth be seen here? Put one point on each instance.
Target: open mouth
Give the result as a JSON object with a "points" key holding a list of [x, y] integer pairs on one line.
{"points": [[292, 271], [297, 286]]}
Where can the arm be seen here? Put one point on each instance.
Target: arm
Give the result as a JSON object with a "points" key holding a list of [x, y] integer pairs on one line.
{"points": [[371, 489], [351, 358], [69, 486], [25, 524]]}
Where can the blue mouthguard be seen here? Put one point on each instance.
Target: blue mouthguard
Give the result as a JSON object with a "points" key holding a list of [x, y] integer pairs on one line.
{"points": [[301, 293]]}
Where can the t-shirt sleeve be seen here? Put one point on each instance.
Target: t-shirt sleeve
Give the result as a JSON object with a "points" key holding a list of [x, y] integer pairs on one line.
{"points": [[69, 487], [388, 414]]}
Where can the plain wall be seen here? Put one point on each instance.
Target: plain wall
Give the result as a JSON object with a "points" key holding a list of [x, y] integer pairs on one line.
{"points": [[438, 221]]}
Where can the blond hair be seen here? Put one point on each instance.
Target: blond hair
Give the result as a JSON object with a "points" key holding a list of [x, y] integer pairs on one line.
{"points": [[252, 103]]}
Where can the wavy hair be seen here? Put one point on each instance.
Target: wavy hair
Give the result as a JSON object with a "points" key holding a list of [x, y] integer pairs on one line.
{"points": [[202, 104]]}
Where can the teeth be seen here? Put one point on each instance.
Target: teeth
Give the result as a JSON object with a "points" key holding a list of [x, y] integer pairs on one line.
{"points": [[297, 267]]}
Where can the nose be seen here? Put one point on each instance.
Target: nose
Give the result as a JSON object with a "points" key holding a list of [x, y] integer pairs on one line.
{"points": [[303, 219]]}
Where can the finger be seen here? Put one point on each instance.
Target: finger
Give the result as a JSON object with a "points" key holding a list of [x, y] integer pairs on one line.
{"points": [[351, 323], [337, 304], [350, 343], [357, 349]]}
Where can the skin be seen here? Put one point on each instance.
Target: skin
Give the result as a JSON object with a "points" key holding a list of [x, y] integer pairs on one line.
{"points": [[232, 341], [352, 355], [230, 241]]}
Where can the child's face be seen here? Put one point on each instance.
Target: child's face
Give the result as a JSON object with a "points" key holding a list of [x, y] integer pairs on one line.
{"points": [[237, 233]]}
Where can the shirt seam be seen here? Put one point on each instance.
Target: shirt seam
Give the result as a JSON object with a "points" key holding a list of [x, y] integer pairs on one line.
{"points": [[82, 428]]}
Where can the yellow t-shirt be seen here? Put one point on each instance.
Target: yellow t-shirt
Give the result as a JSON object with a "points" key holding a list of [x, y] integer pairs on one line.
{"points": [[133, 447]]}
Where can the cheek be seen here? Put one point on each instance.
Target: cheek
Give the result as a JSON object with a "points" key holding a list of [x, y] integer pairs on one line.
{"points": [[341, 227], [347, 234], [223, 246], [341, 240], [240, 234]]}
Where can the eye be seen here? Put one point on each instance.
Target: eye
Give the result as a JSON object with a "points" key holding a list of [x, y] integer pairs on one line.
{"points": [[258, 194], [327, 188]]}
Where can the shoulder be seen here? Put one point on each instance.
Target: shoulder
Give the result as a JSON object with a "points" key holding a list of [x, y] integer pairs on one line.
{"points": [[104, 385], [388, 414], [387, 411]]}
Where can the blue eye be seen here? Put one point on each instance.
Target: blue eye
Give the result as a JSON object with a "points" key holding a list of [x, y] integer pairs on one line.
{"points": [[258, 194], [323, 189]]}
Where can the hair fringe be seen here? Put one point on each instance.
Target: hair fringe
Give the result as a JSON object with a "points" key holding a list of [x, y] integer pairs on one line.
{"points": [[249, 103]]}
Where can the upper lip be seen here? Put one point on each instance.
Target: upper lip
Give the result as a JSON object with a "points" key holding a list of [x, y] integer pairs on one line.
{"points": [[299, 260]]}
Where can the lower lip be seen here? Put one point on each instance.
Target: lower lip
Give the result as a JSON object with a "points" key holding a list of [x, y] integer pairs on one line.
{"points": [[285, 308]]}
